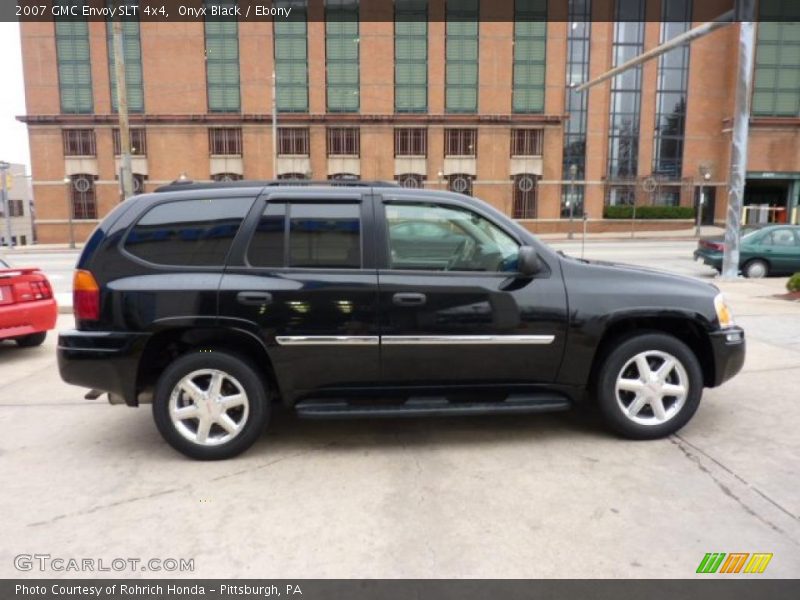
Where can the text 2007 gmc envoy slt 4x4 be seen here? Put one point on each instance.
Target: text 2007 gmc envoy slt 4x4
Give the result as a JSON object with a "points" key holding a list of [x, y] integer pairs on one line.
{"points": [[213, 302]]}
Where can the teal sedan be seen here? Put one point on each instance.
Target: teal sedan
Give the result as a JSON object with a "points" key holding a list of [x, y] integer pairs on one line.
{"points": [[765, 250]]}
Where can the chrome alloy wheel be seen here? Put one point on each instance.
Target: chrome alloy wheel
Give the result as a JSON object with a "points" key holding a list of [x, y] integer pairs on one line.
{"points": [[652, 388], [209, 407]]}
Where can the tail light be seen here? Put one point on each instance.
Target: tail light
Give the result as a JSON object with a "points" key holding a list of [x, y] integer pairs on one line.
{"points": [[29, 285], [716, 246], [85, 296]]}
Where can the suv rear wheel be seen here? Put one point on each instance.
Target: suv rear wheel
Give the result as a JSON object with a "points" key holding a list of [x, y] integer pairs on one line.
{"points": [[210, 405], [649, 386]]}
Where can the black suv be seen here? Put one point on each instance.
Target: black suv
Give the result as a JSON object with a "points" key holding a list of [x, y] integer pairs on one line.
{"points": [[216, 301]]}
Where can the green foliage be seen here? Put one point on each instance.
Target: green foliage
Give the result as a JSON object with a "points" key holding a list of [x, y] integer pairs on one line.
{"points": [[649, 212], [793, 285]]}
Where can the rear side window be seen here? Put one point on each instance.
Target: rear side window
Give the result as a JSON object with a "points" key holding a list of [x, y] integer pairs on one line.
{"points": [[319, 236], [194, 233]]}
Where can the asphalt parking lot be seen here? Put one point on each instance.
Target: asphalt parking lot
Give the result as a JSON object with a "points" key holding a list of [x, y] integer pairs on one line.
{"points": [[539, 496]]}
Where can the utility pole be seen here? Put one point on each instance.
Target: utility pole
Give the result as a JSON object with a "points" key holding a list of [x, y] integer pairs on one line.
{"points": [[739, 137], [4, 166], [126, 173], [274, 126]]}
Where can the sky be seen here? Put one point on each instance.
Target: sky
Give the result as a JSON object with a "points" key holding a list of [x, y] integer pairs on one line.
{"points": [[13, 134]]}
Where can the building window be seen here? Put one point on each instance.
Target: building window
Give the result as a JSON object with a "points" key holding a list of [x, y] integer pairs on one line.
{"points": [[461, 70], [291, 58], [579, 31], [224, 177], [410, 56], [777, 73], [342, 55], [673, 72], [132, 51], [667, 196], [460, 142], [296, 176], [460, 183], [222, 60], [411, 180], [225, 141], [293, 141], [344, 141], [525, 194], [138, 142], [15, 208], [74, 63], [621, 195], [526, 142], [530, 45], [626, 91], [79, 142], [138, 183], [82, 197], [411, 141], [344, 177]]}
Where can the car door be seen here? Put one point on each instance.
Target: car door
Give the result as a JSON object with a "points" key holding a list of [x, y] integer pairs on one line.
{"points": [[781, 248], [303, 281], [467, 318]]}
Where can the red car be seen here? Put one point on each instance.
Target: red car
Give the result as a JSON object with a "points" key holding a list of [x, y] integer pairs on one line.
{"points": [[27, 307]]}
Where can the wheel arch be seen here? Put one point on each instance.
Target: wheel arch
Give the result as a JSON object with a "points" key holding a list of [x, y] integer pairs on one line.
{"points": [[166, 345], [688, 330]]}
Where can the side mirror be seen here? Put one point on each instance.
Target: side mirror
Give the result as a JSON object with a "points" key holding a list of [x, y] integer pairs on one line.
{"points": [[528, 261]]}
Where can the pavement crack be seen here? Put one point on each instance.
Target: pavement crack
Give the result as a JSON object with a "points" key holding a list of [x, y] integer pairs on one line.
{"points": [[101, 507], [693, 453]]}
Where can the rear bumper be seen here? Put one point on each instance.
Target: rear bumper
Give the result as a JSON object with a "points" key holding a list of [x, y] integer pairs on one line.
{"points": [[728, 347], [711, 259], [107, 361], [26, 318]]}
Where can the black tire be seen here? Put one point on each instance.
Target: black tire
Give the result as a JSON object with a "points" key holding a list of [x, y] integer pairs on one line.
{"points": [[32, 340], [625, 350], [240, 371], [755, 269]]}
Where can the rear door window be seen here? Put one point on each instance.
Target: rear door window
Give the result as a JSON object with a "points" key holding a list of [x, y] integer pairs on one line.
{"points": [[320, 235], [194, 233]]}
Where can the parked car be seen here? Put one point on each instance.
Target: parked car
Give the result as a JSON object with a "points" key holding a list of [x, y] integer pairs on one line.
{"points": [[765, 250], [214, 302], [27, 307]]}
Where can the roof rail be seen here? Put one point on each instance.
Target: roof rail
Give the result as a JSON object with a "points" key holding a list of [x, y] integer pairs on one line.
{"points": [[185, 185]]}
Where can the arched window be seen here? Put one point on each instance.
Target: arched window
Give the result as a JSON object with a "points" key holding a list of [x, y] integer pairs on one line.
{"points": [[82, 196], [411, 180], [138, 183], [344, 177], [526, 187], [292, 176], [460, 183], [220, 177]]}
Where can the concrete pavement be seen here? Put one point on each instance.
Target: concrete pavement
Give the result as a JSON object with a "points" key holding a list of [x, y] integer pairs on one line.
{"points": [[538, 496]]}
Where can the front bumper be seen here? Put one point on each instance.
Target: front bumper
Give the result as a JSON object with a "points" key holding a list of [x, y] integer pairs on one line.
{"points": [[728, 348], [102, 360]]}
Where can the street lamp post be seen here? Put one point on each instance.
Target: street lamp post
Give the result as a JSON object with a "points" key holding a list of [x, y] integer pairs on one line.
{"points": [[573, 173], [70, 208], [705, 176], [4, 167]]}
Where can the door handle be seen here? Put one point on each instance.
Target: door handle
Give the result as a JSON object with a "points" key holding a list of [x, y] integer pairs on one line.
{"points": [[254, 298], [409, 299]]}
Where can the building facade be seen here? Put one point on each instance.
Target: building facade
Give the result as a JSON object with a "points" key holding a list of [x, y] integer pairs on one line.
{"points": [[20, 221], [475, 96]]}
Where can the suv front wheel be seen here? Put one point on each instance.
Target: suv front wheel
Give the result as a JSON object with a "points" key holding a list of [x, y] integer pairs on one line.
{"points": [[649, 386], [210, 405]]}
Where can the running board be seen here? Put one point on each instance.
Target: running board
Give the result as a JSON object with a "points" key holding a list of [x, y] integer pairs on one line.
{"points": [[431, 406]]}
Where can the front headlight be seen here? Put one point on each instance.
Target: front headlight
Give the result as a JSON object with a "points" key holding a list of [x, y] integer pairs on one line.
{"points": [[724, 313]]}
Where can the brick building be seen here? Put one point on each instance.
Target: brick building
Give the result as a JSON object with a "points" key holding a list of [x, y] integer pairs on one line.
{"points": [[470, 95]]}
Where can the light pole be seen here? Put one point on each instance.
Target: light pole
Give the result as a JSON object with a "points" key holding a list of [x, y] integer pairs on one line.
{"points": [[4, 167], [705, 176], [573, 173], [70, 209]]}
